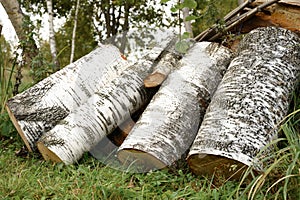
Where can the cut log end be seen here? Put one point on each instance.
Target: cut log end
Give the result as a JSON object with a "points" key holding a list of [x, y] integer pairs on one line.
{"points": [[47, 153], [118, 136], [139, 160], [154, 80], [17, 126], [220, 167]]}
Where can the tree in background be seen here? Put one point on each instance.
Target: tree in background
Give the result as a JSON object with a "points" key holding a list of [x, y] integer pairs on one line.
{"points": [[52, 41], [85, 36], [74, 31], [97, 21], [23, 29], [209, 12]]}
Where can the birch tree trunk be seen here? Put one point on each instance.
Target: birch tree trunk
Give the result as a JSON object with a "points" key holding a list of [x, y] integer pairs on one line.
{"points": [[42, 106], [17, 18], [52, 41], [74, 32], [15, 14], [109, 107], [249, 104], [187, 24], [170, 122]]}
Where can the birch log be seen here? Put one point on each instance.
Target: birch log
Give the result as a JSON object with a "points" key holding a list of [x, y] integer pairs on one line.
{"points": [[167, 64], [170, 122], [42, 106], [84, 127], [248, 105]]}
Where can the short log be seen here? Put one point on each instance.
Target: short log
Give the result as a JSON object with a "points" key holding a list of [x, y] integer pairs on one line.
{"points": [[103, 112], [165, 66], [249, 104], [170, 122], [41, 107]]}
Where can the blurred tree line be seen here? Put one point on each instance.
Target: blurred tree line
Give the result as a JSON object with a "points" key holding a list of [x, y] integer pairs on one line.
{"points": [[101, 20]]}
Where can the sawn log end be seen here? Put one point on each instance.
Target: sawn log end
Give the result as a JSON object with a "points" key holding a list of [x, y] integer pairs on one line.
{"points": [[18, 127], [139, 160], [154, 80], [218, 166], [47, 153]]}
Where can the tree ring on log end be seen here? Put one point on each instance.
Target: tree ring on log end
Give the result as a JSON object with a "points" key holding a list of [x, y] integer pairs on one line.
{"points": [[218, 166], [47, 153], [139, 161], [154, 79]]}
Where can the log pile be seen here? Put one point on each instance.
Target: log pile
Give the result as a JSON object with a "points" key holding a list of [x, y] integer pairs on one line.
{"points": [[41, 107], [215, 108], [170, 122]]}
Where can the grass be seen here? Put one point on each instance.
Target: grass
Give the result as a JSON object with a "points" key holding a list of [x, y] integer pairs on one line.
{"points": [[33, 178], [28, 176]]}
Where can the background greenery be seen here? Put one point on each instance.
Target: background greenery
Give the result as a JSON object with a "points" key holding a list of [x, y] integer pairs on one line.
{"points": [[27, 176]]}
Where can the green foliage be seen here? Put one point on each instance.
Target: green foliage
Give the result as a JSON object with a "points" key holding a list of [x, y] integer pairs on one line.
{"points": [[84, 41], [204, 13], [41, 65], [191, 4], [6, 86], [61, 8], [209, 12], [184, 44]]}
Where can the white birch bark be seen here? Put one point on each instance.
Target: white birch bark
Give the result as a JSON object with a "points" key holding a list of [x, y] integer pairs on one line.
{"points": [[42, 106], [74, 32], [108, 107], [52, 41], [249, 104], [170, 122], [15, 14]]}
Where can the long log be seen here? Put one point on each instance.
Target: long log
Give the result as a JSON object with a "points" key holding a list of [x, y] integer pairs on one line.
{"points": [[105, 110], [170, 122], [42, 106], [249, 104]]}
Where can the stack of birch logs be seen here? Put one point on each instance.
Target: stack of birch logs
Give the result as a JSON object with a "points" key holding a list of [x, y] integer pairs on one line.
{"points": [[215, 108]]}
